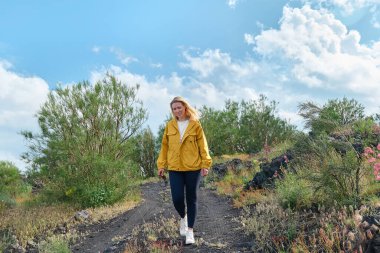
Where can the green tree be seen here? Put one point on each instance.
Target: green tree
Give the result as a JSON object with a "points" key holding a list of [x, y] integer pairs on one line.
{"points": [[144, 152], [10, 179], [221, 128], [81, 152], [259, 124], [243, 127], [335, 113], [333, 176]]}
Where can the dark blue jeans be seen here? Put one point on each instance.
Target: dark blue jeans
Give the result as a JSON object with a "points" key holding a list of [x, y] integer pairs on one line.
{"points": [[179, 181]]}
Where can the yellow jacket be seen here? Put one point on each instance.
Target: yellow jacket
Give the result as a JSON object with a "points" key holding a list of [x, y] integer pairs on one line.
{"points": [[190, 154]]}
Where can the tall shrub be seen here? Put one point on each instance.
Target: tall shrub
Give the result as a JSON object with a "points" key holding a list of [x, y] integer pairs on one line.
{"points": [[144, 153], [335, 113], [244, 127], [334, 170], [11, 184], [81, 150]]}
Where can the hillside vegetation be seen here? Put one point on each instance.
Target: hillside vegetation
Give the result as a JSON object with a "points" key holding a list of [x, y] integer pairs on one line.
{"points": [[91, 153]]}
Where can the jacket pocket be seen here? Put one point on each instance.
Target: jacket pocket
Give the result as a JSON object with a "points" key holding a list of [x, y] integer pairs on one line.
{"points": [[190, 155], [172, 138]]}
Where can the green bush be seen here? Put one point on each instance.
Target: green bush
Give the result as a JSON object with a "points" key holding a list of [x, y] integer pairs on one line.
{"points": [[10, 179], [334, 173], [82, 151], [6, 239], [294, 192], [54, 244], [11, 185], [143, 152], [244, 127], [97, 181], [6, 201]]}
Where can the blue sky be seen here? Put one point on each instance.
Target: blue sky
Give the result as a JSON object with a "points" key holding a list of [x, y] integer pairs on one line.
{"points": [[207, 51]]}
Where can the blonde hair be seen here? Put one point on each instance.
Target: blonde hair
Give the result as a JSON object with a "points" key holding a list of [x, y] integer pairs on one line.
{"points": [[191, 112]]}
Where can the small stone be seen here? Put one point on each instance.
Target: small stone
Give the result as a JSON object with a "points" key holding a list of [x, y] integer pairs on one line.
{"points": [[365, 225], [110, 249], [347, 245], [351, 236], [374, 228], [16, 248], [358, 218], [82, 215], [31, 243], [369, 234]]}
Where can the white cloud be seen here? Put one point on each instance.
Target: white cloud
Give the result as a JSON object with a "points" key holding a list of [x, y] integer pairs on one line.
{"points": [[249, 39], [350, 10], [375, 17], [220, 67], [95, 49], [232, 3], [156, 65], [320, 52], [20, 99], [347, 6], [124, 59]]}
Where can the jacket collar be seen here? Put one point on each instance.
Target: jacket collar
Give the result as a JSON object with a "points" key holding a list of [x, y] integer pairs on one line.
{"points": [[174, 124]]}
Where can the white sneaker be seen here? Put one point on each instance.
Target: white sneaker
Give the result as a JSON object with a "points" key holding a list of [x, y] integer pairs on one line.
{"points": [[183, 226], [190, 237]]}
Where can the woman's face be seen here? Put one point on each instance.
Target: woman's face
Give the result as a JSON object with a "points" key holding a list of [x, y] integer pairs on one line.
{"points": [[179, 110]]}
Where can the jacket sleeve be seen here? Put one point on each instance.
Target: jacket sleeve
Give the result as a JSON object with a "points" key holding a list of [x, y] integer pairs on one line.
{"points": [[162, 161], [203, 148]]}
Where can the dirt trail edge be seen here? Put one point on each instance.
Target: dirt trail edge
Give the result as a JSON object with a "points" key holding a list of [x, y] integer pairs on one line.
{"points": [[215, 225]]}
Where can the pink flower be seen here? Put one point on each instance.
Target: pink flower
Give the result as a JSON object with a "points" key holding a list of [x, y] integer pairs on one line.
{"points": [[368, 150], [371, 160], [377, 166], [378, 146], [378, 155], [378, 177]]}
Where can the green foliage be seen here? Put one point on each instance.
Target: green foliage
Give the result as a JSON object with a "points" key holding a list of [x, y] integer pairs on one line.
{"points": [[81, 154], [377, 118], [366, 131], [54, 244], [274, 229], [11, 184], [334, 173], [6, 201], [10, 179], [161, 130], [243, 127], [6, 239], [335, 113], [144, 152], [294, 192]]}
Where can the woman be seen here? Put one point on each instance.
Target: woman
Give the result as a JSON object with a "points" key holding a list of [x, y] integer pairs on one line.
{"points": [[184, 153]]}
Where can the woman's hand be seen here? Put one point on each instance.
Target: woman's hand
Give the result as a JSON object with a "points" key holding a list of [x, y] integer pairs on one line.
{"points": [[161, 172], [204, 172]]}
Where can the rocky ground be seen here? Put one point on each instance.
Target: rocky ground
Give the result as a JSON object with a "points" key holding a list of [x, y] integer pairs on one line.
{"points": [[216, 228]]}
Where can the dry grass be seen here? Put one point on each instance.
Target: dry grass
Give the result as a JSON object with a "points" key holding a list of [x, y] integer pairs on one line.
{"points": [[232, 185], [26, 223], [156, 236], [273, 151], [37, 222], [108, 212], [275, 229], [247, 198], [225, 158]]}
